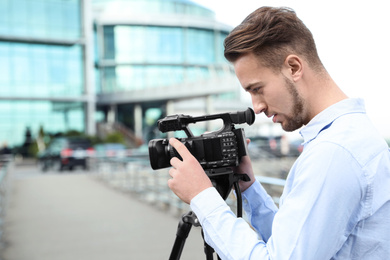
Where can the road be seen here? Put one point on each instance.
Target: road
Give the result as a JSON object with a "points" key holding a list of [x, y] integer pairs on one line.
{"points": [[74, 216]]}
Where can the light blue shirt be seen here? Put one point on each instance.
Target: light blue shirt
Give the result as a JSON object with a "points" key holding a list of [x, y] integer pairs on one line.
{"points": [[335, 204]]}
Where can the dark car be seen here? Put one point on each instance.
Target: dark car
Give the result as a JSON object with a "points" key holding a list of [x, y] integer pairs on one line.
{"points": [[66, 153]]}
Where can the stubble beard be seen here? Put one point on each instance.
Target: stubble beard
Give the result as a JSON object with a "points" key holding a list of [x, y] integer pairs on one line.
{"points": [[296, 120]]}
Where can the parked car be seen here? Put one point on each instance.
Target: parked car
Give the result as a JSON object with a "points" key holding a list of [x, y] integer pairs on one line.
{"points": [[66, 153]]}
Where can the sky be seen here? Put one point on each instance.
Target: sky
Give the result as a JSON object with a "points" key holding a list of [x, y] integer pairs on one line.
{"points": [[353, 42]]}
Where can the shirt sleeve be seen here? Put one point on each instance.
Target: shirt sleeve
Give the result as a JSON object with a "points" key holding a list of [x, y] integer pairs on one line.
{"points": [[260, 209], [231, 237], [318, 212]]}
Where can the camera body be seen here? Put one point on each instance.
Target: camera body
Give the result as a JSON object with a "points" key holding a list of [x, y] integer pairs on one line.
{"points": [[219, 149]]}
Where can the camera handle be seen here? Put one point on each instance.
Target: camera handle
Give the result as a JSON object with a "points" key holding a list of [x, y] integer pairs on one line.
{"points": [[223, 186]]}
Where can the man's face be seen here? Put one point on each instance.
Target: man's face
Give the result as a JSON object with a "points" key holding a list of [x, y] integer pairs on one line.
{"points": [[272, 93]]}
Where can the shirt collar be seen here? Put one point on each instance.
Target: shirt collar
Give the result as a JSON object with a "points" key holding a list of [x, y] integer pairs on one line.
{"points": [[326, 117]]}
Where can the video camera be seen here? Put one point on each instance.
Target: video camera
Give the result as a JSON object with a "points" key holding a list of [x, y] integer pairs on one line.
{"points": [[219, 149], [217, 152]]}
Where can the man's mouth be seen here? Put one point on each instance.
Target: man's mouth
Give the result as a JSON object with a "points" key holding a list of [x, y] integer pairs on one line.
{"points": [[273, 117]]}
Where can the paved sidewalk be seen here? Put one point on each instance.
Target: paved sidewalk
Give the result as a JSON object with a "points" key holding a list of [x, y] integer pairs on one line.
{"points": [[73, 216]]}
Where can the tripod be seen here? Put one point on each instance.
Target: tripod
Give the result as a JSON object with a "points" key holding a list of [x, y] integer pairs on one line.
{"points": [[223, 180]]}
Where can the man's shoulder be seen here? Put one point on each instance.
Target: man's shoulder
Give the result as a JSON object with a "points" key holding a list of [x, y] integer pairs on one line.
{"points": [[355, 134]]}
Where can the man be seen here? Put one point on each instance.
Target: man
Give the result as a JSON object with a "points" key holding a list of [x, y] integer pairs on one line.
{"points": [[336, 201]]}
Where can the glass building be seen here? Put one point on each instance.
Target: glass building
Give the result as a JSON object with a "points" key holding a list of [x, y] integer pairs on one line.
{"points": [[66, 63], [43, 68], [152, 54]]}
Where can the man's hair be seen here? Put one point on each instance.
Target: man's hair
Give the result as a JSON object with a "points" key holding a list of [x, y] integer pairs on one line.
{"points": [[272, 34]]}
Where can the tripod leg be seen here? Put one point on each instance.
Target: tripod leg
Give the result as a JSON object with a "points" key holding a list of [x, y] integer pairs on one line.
{"points": [[209, 251], [190, 219], [183, 230]]}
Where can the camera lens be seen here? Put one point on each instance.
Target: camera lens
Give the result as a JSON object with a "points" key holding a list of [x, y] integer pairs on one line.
{"points": [[158, 154]]}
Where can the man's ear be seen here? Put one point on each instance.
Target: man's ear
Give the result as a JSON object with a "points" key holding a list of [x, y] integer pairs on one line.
{"points": [[294, 65]]}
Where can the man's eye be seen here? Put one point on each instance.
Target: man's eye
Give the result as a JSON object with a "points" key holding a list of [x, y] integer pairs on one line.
{"points": [[255, 90]]}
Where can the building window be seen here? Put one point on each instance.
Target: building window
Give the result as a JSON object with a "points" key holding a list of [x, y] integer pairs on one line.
{"points": [[53, 19], [55, 117], [35, 70]]}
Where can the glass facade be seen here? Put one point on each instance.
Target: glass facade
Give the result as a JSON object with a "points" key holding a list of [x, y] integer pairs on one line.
{"points": [[165, 7], [39, 66], [156, 44], [43, 59], [41, 18], [180, 44], [140, 56], [39, 70], [54, 117]]}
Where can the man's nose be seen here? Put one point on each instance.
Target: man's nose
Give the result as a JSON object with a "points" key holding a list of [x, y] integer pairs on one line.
{"points": [[258, 105]]}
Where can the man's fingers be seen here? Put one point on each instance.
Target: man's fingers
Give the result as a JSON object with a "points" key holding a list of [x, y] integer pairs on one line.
{"points": [[172, 172], [175, 162], [180, 148]]}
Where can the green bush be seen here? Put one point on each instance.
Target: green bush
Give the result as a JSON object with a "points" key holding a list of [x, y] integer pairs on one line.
{"points": [[115, 137]]}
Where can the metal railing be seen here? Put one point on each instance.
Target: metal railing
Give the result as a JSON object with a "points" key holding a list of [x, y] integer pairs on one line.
{"points": [[6, 166], [134, 175]]}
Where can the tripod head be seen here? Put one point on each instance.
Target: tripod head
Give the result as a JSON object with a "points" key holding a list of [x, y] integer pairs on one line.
{"points": [[223, 179]]}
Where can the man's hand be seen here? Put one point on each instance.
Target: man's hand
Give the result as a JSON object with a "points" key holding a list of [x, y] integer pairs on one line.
{"points": [[188, 176], [245, 167]]}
